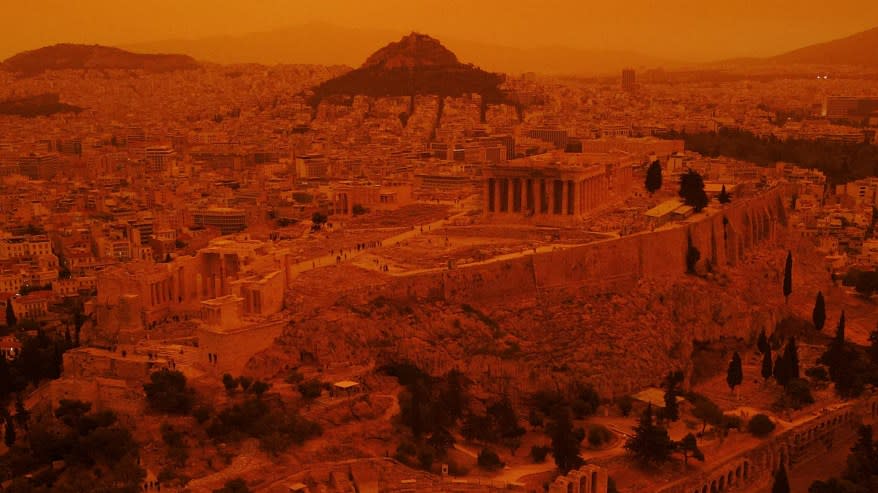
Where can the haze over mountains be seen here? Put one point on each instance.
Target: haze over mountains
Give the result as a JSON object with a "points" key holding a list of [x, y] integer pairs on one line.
{"points": [[327, 44]]}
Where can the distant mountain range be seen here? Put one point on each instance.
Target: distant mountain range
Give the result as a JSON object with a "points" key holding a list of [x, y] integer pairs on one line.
{"points": [[416, 64], [327, 44], [858, 49], [76, 56]]}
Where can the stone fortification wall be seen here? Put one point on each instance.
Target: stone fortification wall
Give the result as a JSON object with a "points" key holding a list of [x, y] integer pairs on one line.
{"points": [[788, 448], [721, 238]]}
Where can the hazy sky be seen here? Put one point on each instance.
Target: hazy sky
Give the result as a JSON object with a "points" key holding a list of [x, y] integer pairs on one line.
{"points": [[677, 29]]}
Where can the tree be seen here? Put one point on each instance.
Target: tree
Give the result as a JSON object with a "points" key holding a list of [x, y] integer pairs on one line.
{"points": [[672, 382], [565, 440], [167, 392], [10, 314], [818, 316], [873, 348], [781, 482], [318, 219], [781, 370], [707, 411], [788, 277], [767, 367], [839, 330], [654, 177], [259, 387], [724, 197], [488, 459], [762, 343], [230, 383], [9, 436], [689, 446], [692, 190], [236, 485], [650, 443], [692, 257], [791, 358], [735, 373]]}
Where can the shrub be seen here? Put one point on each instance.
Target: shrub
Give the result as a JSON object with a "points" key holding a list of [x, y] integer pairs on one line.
{"points": [[538, 453], [598, 435], [167, 392], [311, 389], [625, 403], [488, 459], [760, 425], [817, 373]]}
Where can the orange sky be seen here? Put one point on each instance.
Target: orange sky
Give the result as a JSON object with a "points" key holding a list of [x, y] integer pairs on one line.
{"points": [[674, 29]]}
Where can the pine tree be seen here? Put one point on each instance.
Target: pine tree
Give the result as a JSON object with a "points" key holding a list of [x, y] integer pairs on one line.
{"points": [[735, 374], [650, 443], [724, 197], [689, 445], [781, 482], [788, 277], [654, 177], [818, 316], [767, 367], [762, 343]]}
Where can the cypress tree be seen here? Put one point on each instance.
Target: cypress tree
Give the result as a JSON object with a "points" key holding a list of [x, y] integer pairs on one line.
{"points": [[818, 316], [839, 330], [762, 344], [781, 372], [10, 314], [724, 197], [788, 277], [767, 367], [654, 177], [781, 482], [672, 411], [735, 374], [791, 359], [9, 436]]}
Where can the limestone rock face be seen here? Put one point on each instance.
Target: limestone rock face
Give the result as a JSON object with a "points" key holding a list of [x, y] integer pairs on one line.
{"points": [[414, 50]]}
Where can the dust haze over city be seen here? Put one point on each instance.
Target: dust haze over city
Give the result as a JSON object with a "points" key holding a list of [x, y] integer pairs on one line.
{"points": [[438, 246]]}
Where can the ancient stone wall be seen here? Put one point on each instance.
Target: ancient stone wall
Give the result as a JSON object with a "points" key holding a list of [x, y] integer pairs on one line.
{"points": [[609, 265], [587, 479], [788, 448], [233, 349]]}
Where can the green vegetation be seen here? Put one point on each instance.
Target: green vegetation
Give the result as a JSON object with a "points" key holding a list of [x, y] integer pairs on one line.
{"points": [[650, 443], [99, 455], [167, 392], [860, 474], [236, 485], [788, 277], [840, 162], [488, 459], [692, 190], [38, 105], [760, 425], [818, 315], [654, 177]]}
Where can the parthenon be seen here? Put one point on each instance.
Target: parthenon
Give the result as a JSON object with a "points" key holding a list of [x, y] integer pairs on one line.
{"points": [[555, 188]]}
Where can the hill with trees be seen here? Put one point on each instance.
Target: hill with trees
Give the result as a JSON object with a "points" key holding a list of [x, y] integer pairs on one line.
{"points": [[67, 56]]}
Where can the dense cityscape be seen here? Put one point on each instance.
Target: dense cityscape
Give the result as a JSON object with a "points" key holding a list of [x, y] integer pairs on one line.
{"points": [[417, 275]]}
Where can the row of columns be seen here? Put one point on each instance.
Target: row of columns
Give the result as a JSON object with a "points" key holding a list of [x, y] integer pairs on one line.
{"points": [[545, 197], [160, 292]]}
